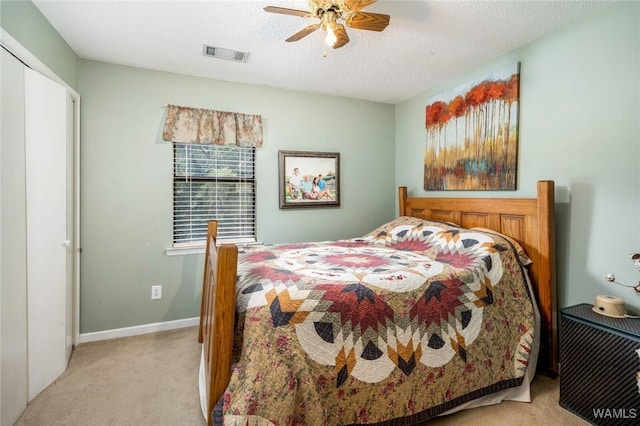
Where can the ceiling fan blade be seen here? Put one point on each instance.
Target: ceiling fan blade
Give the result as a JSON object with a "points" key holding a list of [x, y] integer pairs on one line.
{"points": [[341, 36], [304, 32], [367, 21], [285, 11], [358, 4]]}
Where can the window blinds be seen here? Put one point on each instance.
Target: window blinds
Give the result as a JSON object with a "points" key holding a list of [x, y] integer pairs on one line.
{"points": [[213, 182]]}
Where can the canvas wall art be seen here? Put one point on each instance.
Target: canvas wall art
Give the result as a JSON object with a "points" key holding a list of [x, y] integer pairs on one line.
{"points": [[472, 134]]}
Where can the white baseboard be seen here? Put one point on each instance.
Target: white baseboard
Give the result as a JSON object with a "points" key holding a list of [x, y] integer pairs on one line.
{"points": [[138, 329]]}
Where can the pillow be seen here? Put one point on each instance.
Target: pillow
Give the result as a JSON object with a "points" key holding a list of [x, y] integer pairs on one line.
{"points": [[400, 221], [524, 258], [416, 221]]}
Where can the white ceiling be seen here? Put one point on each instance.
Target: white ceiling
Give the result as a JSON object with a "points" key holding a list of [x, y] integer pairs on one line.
{"points": [[426, 42]]}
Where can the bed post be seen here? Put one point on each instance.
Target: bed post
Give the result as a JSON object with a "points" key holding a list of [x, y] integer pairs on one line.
{"points": [[212, 231], [223, 318], [547, 273], [217, 317], [402, 200]]}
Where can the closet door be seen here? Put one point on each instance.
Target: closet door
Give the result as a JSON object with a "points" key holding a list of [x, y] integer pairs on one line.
{"points": [[13, 247], [47, 241]]}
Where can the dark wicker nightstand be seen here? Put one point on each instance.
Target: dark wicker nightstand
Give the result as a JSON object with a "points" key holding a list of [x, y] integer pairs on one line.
{"points": [[599, 366]]}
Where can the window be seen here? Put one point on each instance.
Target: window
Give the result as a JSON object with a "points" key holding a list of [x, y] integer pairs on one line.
{"points": [[213, 182]]}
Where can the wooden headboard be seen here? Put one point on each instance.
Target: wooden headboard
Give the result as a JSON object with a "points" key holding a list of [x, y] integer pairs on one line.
{"points": [[531, 222]]}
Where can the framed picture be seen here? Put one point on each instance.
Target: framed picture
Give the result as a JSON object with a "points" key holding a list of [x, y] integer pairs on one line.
{"points": [[472, 134], [309, 179]]}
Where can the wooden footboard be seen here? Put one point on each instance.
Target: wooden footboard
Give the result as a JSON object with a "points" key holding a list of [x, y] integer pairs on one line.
{"points": [[217, 312]]}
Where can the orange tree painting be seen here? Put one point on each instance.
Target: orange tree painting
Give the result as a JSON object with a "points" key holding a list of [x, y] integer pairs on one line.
{"points": [[472, 135]]}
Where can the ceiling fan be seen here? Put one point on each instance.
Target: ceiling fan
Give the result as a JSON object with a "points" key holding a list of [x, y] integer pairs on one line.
{"points": [[331, 13]]}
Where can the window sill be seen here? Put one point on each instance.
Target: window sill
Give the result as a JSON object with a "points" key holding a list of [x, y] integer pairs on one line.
{"points": [[181, 251], [200, 249]]}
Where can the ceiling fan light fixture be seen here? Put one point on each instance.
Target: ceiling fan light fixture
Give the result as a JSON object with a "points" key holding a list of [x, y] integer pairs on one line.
{"points": [[331, 38], [333, 15], [329, 22]]}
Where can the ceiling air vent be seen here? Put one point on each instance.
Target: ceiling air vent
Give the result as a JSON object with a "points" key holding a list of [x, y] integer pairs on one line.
{"points": [[222, 53]]}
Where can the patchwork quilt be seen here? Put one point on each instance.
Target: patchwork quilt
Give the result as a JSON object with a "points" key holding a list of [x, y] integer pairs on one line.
{"points": [[395, 327]]}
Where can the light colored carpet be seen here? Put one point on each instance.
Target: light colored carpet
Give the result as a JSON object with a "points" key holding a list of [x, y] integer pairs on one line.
{"points": [[152, 379]]}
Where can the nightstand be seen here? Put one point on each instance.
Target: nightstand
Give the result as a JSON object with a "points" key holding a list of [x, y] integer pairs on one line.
{"points": [[600, 366]]}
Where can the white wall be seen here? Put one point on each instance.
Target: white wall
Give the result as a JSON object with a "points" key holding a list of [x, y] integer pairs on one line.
{"points": [[126, 176], [580, 126]]}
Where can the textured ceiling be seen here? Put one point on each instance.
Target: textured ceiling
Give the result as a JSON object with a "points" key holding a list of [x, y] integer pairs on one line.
{"points": [[426, 42]]}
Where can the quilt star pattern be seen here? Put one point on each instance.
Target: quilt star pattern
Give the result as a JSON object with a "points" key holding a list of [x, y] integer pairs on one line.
{"points": [[424, 312]]}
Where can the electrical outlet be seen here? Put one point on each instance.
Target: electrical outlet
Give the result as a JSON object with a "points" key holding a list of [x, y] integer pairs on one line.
{"points": [[156, 292]]}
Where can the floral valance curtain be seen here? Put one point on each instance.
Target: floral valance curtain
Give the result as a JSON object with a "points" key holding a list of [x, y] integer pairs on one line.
{"points": [[206, 126]]}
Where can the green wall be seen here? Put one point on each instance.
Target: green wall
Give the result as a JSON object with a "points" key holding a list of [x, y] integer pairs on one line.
{"points": [[24, 22], [580, 126], [126, 172]]}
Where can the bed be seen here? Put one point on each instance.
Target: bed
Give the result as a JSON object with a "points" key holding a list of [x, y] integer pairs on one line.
{"points": [[448, 306]]}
